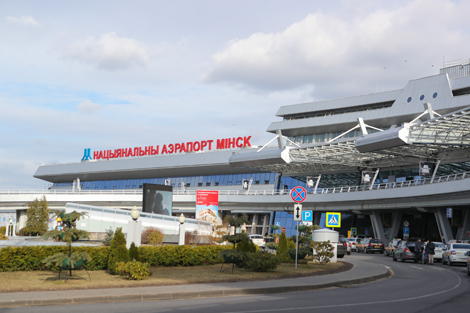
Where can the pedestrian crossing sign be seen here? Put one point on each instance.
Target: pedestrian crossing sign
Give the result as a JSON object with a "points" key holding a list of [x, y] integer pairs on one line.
{"points": [[333, 219]]}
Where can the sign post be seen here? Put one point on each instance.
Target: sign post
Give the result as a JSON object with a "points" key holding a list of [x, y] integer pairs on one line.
{"points": [[298, 195]]}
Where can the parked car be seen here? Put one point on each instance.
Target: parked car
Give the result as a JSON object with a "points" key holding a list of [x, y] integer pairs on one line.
{"points": [[392, 245], [374, 245], [362, 244], [455, 253], [467, 254], [352, 243], [258, 240], [405, 251], [342, 247], [439, 246]]}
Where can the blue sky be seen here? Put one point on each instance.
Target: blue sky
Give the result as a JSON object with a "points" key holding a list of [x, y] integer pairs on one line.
{"points": [[111, 74]]}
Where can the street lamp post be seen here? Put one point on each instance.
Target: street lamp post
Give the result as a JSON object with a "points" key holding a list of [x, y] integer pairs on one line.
{"points": [[182, 230], [134, 229]]}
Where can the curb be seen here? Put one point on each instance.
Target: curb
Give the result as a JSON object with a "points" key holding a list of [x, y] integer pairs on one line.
{"points": [[192, 294]]}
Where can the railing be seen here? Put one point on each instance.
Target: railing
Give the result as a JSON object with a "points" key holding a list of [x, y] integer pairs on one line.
{"points": [[381, 186]]}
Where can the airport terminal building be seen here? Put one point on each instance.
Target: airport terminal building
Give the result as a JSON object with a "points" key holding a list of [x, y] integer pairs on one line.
{"points": [[384, 160]]}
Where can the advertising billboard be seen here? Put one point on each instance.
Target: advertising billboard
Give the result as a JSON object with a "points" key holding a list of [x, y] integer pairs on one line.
{"points": [[207, 206], [157, 199]]}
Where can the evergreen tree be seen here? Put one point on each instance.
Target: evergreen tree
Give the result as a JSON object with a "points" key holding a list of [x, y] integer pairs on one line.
{"points": [[134, 253], [282, 248], [69, 233], [118, 251], [37, 218]]}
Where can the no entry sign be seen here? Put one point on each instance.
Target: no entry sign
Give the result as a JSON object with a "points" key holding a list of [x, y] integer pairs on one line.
{"points": [[298, 194]]}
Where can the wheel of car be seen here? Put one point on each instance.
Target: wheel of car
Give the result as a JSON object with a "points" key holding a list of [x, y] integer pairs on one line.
{"points": [[349, 252], [450, 263], [468, 272], [394, 258], [401, 258]]}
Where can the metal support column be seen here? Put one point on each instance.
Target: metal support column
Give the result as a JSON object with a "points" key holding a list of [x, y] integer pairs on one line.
{"points": [[443, 224], [316, 217], [254, 223], [393, 231], [462, 231], [377, 225]]}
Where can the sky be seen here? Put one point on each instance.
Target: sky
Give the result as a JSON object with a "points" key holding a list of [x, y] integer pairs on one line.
{"points": [[115, 74]]}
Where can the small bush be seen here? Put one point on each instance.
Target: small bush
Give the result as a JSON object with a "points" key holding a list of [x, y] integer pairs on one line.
{"points": [[147, 231], [118, 251], [262, 261], [247, 246], [155, 238], [3, 230], [322, 251], [134, 253], [108, 237], [133, 270]]}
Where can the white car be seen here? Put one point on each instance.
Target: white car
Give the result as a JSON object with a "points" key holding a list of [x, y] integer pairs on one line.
{"points": [[352, 242], [438, 251], [455, 253], [258, 240]]}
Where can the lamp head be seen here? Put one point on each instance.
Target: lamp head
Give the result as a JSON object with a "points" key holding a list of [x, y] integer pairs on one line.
{"points": [[135, 213], [182, 218]]}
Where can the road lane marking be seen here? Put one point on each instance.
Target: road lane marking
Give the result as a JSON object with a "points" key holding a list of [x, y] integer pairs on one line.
{"points": [[457, 285]]}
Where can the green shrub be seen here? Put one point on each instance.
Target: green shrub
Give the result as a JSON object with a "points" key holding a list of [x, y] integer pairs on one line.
{"points": [[146, 232], [247, 246], [28, 258], [262, 261], [3, 230], [108, 237], [134, 253], [271, 245], [282, 249], [181, 255], [118, 251], [155, 238], [322, 251], [133, 270]]}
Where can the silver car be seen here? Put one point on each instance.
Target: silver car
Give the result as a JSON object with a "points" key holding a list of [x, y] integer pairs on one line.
{"points": [[455, 253]]}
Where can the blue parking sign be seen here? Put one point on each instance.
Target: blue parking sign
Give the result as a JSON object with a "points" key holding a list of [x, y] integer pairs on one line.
{"points": [[307, 216]]}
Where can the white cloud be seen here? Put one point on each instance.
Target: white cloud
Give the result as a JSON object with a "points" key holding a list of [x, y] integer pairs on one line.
{"points": [[24, 21], [110, 52], [331, 52], [88, 107]]}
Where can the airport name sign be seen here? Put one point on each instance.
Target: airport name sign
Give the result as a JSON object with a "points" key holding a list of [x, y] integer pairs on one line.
{"points": [[172, 148]]}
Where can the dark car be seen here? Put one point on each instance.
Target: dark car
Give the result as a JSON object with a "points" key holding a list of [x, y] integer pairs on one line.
{"points": [[373, 245], [405, 251], [341, 247]]}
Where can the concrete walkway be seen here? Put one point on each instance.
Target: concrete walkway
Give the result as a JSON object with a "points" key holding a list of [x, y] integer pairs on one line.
{"points": [[363, 271]]}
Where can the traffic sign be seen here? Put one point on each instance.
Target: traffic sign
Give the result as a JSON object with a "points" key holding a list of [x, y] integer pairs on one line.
{"points": [[353, 231], [449, 213], [333, 219], [406, 230], [406, 223], [297, 212], [307, 216], [298, 194]]}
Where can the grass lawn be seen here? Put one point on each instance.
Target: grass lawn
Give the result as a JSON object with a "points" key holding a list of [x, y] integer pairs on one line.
{"points": [[160, 276]]}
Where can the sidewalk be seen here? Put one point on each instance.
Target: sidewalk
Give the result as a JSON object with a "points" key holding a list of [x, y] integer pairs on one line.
{"points": [[363, 271]]}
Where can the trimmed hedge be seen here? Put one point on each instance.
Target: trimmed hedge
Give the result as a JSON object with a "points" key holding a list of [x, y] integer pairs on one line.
{"points": [[30, 258], [181, 255]]}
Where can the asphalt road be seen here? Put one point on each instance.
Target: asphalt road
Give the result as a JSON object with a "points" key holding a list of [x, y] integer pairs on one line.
{"points": [[412, 288]]}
